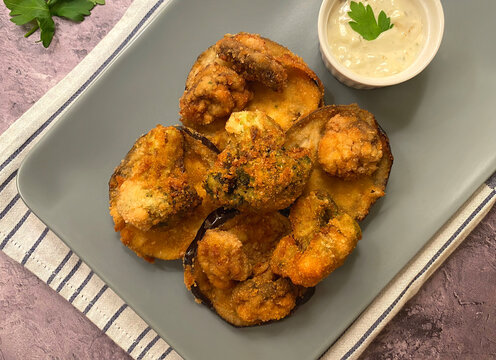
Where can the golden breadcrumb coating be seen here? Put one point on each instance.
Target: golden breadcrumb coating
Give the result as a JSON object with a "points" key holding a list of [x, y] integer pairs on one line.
{"points": [[222, 259], [232, 270], [321, 240], [278, 82], [349, 147], [254, 172], [216, 91], [264, 297], [157, 200], [249, 57], [151, 187]]}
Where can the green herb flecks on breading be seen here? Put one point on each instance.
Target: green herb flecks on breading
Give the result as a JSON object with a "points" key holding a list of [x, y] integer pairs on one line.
{"points": [[255, 172]]}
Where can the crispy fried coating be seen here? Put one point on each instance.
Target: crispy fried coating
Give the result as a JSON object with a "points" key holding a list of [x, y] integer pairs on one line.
{"points": [[248, 56], [165, 242], [349, 147], [264, 297], [150, 186], [321, 240], [206, 58], [275, 51], [157, 200], [216, 91], [278, 82], [222, 259], [232, 270], [356, 195], [214, 131], [254, 172], [286, 97], [300, 96]]}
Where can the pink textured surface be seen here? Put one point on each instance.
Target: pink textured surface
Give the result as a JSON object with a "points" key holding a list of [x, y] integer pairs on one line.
{"points": [[452, 317], [28, 70]]}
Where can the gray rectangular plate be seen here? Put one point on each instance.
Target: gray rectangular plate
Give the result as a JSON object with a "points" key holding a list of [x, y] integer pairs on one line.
{"points": [[442, 132]]}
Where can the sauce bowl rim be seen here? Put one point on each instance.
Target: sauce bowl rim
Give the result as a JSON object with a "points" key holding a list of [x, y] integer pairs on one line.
{"points": [[434, 36]]}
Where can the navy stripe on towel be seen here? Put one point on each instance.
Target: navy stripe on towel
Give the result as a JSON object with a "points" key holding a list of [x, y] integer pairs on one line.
{"points": [[148, 347], [166, 352], [9, 206], [8, 180], [14, 230], [68, 276], [81, 287], [61, 265], [35, 245], [95, 299], [114, 317], [138, 339]]}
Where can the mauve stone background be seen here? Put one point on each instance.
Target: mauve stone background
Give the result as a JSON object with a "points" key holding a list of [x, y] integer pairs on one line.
{"points": [[452, 317], [28, 70]]}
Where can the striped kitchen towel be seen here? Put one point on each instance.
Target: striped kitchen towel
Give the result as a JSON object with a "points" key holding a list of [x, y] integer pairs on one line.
{"points": [[28, 241]]}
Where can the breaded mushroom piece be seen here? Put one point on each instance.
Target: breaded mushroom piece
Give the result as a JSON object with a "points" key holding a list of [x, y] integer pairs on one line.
{"points": [[215, 92], [354, 195], [254, 172], [264, 297], [231, 273], [222, 259], [249, 57], [321, 240], [150, 187], [247, 72], [349, 147], [157, 200]]}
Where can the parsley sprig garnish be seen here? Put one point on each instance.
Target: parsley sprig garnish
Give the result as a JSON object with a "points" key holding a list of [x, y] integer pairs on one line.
{"points": [[39, 13], [365, 23]]}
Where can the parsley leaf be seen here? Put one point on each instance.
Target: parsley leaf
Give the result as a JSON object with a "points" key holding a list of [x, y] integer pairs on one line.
{"points": [[39, 13], [25, 11], [47, 27], [365, 23], [74, 10]]}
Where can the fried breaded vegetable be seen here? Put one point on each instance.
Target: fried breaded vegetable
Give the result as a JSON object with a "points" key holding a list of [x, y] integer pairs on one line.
{"points": [[228, 269], [300, 96], [150, 186], [157, 199], [292, 89], [278, 83], [254, 172], [348, 142], [222, 259], [216, 91], [248, 56], [264, 298], [321, 240], [165, 243], [349, 147]]}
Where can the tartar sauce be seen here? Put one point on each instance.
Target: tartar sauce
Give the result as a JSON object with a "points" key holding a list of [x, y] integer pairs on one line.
{"points": [[392, 52]]}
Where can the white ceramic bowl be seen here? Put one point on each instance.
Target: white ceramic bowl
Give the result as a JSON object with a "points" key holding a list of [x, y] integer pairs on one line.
{"points": [[433, 16]]}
